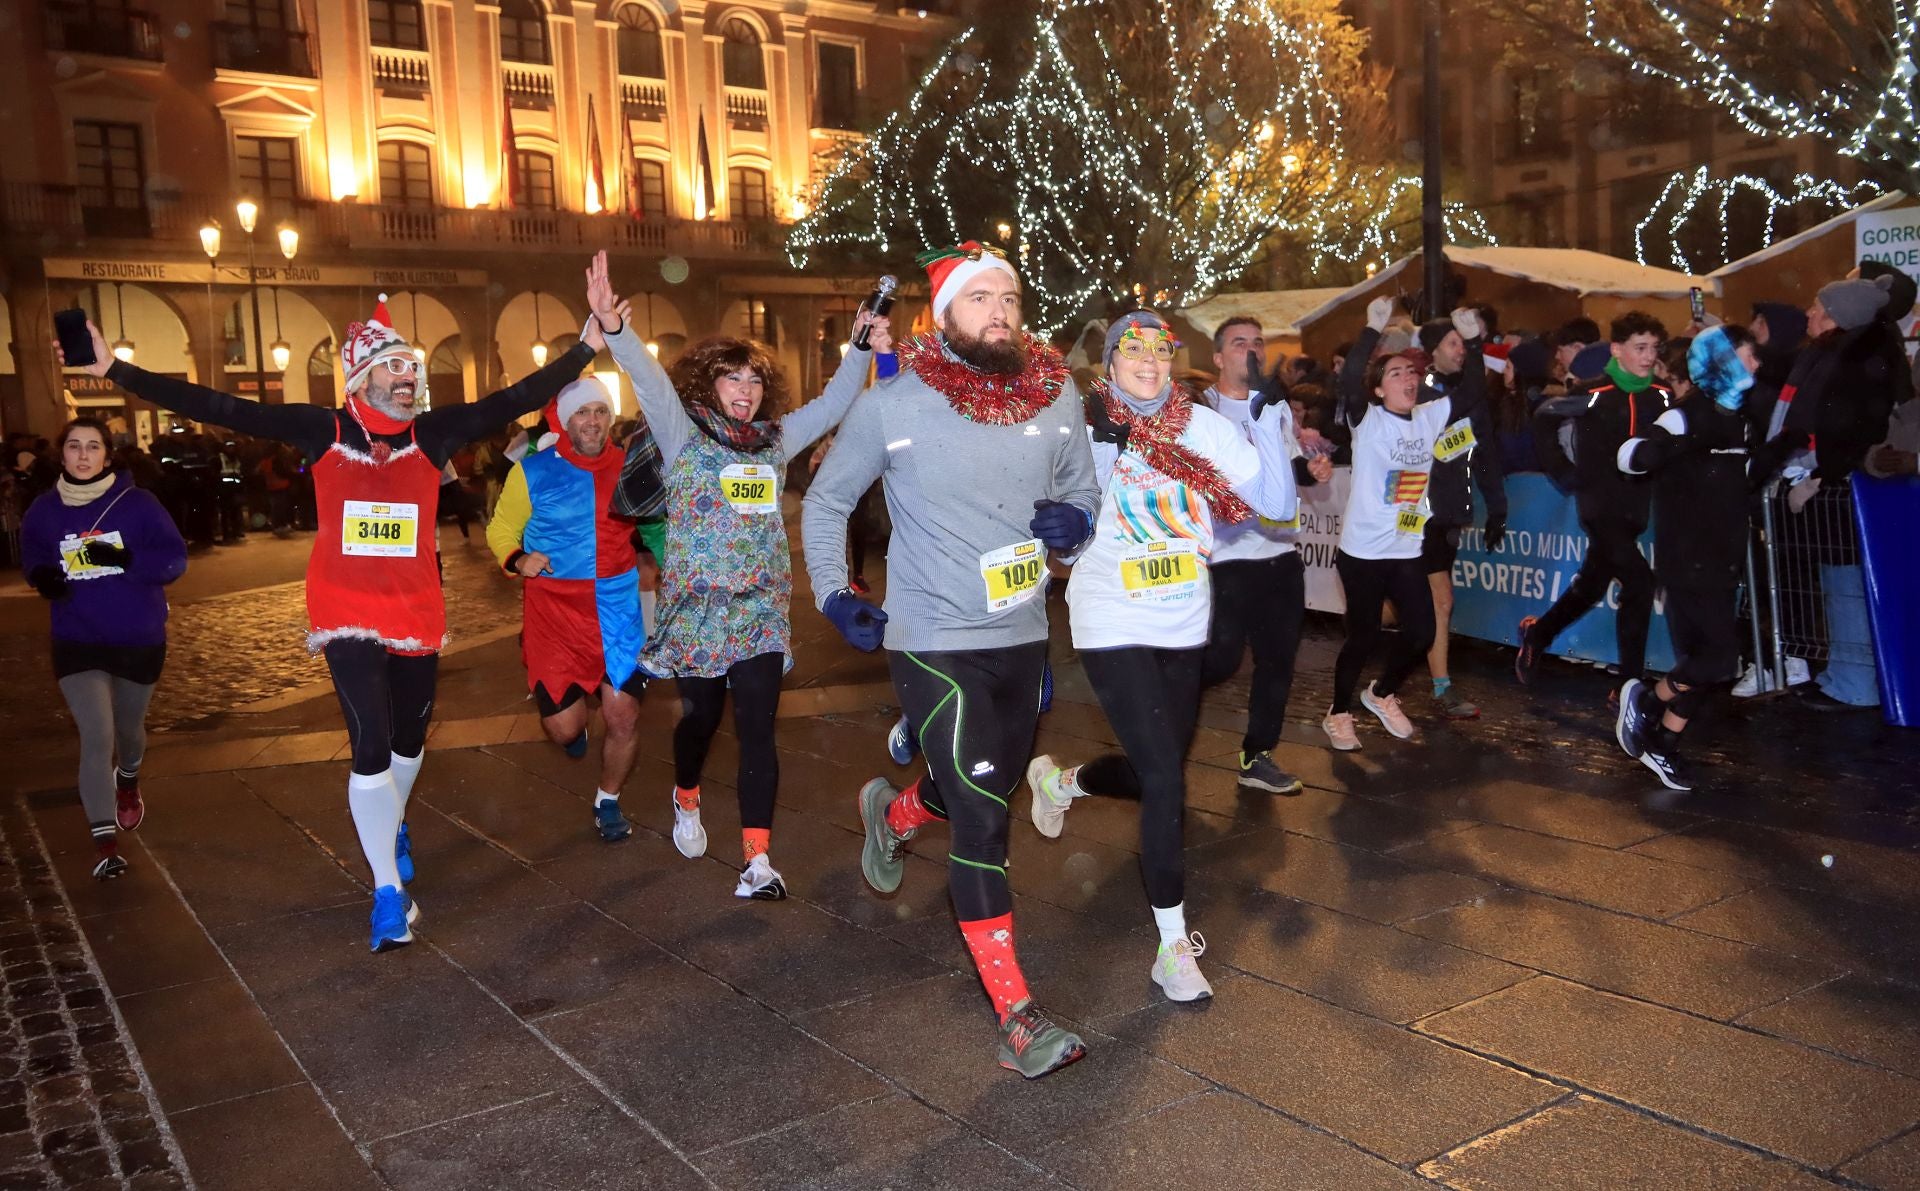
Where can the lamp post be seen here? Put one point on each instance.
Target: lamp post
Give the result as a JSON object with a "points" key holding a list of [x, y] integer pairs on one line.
{"points": [[248, 213], [539, 339], [1433, 235], [210, 244]]}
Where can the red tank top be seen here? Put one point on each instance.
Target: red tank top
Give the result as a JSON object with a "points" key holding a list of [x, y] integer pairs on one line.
{"points": [[372, 574]]}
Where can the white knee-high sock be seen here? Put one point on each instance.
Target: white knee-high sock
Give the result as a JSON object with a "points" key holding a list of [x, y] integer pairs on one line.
{"points": [[1172, 922], [404, 770], [375, 803]]}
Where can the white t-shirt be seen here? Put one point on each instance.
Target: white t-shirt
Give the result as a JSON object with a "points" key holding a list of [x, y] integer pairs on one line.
{"points": [[1142, 580], [1388, 506], [1256, 537]]}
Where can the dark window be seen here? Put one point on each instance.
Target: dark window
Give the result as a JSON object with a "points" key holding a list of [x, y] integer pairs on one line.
{"points": [[266, 169], [748, 188], [406, 174], [740, 60], [396, 24], [259, 35], [650, 183], [536, 180], [523, 32], [101, 27], [839, 86], [262, 16], [641, 54], [112, 175], [758, 325]]}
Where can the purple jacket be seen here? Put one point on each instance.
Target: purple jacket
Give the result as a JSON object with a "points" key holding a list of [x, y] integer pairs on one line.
{"points": [[124, 609]]}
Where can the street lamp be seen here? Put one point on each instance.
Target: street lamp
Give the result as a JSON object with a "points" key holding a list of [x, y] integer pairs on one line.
{"points": [[289, 241], [248, 213], [281, 349], [539, 341], [122, 347]]}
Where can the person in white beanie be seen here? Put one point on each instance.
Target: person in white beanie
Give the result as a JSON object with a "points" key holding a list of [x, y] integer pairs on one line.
{"points": [[374, 603]]}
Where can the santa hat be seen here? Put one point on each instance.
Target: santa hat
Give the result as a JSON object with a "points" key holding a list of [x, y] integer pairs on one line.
{"points": [[367, 342], [948, 269], [581, 392]]}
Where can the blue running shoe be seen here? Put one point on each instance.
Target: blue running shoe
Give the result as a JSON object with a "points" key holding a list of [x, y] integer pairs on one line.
{"points": [[613, 825], [403, 855], [1046, 689], [1632, 722], [393, 917], [577, 747], [902, 744]]}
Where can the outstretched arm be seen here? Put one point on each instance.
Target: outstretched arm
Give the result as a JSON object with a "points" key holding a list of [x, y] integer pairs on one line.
{"points": [[804, 426], [443, 430], [857, 459]]}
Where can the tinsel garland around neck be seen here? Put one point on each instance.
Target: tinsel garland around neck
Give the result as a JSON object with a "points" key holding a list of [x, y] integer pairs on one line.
{"points": [[981, 397], [1156, 438]]}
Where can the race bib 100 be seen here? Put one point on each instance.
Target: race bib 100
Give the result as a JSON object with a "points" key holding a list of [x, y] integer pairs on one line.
{"points": [[379, 529], [1157, 572], [749, 488], [1012, 574]]}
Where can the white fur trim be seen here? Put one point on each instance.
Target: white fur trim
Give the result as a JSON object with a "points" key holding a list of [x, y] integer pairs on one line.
{"points": [[963, 272], [354, 456], [318, 638]]}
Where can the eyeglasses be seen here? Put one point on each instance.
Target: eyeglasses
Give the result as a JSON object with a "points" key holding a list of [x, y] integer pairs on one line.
{"points": [[401, 365], [1133, 347]]}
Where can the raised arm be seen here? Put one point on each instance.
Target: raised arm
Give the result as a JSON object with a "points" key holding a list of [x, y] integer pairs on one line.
{"points": [[659, 404], [443, 430], [1351, 405], [1262, 471], [804, 426], [308, 427], [858, 458]]}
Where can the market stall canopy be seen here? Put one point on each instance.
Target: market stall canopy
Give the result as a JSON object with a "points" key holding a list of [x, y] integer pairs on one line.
{"points": [[1793, 269]]}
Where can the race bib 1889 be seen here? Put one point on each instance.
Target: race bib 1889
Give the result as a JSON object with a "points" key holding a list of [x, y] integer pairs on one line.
{"points": [[1012, 574], [1157, 572], [748, 487], [1455, 441], [379, 529]]}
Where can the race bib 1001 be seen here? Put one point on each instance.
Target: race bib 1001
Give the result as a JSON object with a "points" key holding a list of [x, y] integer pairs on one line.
{"points": [[379, 529], [1012, 574], [73, 555], [1157, 572], [749, 488], [1455, 441]]}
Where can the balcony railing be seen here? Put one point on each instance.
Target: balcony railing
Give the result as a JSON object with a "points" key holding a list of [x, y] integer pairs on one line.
{"points": [[74, 213], [644, 98], [264, 51], [527, 85], [746, 108], [124, 34], [406, 72]]}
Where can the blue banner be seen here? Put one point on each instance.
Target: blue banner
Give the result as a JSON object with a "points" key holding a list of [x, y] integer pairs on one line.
{"points": [[1886, 511]]}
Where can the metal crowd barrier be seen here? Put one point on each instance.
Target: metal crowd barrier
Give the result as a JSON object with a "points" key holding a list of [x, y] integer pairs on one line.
{"points": [[1786, 605]]}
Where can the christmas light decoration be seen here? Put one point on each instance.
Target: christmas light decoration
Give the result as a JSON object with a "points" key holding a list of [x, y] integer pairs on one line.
{"points": [[1143, 149], [1687, 196]]}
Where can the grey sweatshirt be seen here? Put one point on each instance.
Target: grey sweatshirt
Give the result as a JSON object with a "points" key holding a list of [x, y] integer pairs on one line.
{"points": [[956, 490]]}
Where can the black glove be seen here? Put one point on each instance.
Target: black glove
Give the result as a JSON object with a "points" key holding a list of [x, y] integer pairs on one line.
{"points": [[101, 553], [49, 580], [1496, 533], [1058, 525], [1105, 429], [863, 625]]}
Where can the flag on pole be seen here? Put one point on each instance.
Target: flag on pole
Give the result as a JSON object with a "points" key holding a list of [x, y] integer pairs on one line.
{"points": [[636, 202], [704, 201], [509, 161], [596, 170]]}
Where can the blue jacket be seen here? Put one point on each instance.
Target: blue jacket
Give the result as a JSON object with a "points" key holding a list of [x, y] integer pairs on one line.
{"points": [[117, 608]]}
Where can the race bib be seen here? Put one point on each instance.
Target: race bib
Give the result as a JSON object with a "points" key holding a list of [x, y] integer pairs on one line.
{"points": [[73, 556], [1157, 572], [379, 529], [1012, 574], [1455, 441], [1291, 523], [1410, 521], [748, 487]]}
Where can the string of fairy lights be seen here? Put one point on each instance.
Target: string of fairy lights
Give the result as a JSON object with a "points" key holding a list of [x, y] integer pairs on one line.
{"points": [[1691, 196], [1162, 179]]}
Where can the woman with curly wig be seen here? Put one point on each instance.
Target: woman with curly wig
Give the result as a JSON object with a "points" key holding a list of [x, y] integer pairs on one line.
{"points": [[721, 615]]}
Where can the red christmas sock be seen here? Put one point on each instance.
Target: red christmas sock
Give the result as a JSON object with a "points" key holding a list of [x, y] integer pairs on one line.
{"points": [[754, 842], [907, 812], [687, 800], [991, 942]]}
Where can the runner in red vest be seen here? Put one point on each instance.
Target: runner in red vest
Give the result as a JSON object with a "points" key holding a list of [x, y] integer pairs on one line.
{"points": [[373, 591]]}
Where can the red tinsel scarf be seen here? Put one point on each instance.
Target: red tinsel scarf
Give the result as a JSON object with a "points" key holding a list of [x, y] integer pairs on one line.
{"points": [[977, 397], [1157, 439]]}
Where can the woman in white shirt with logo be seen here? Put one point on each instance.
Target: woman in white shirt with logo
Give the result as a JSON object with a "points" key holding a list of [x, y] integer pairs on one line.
{"points": [[1396, 439], [1140, 600]]}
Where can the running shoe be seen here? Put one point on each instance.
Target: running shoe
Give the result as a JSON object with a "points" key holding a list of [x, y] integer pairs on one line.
{"points": [[1259, 772], [394, 914], [688, 835], [1046, 688], [129, 810], [1050, 802], [1631, 721], [1454, 707], [883, 857], [901, 742], [760, 881], [614, 826], [577, 747], [1175, 971], [1032, 1045], [1526, 663], [403, 855], [1340, 732], [1387, 709], [109, 866], [1666, 766]]}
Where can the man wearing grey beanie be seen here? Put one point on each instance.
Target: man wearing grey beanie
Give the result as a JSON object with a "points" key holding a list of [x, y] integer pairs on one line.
{"points": [[1849, 304]]}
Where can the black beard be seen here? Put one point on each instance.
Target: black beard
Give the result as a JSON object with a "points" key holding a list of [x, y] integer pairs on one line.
{"points": [[994, 359]]}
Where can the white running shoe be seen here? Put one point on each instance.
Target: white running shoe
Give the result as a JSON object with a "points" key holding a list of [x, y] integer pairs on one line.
{"points": [[1050, 802], [1387, 708], [760, 881], [688, 835], [1340, 731], [1175, 971]]}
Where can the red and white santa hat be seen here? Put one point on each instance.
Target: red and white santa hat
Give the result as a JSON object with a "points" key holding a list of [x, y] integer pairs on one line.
{"points": [[949, 270], [367, 342]]}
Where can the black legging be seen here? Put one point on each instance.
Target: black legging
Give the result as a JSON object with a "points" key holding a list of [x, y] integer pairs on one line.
{"points": [[975, 711], [1152, 699], [1261, 602], [1613, 552], [387, 699], [1369, 584], [756, 697]]}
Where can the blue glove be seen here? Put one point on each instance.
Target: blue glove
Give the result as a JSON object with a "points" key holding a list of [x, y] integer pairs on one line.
{"points": [[1058, 525], [862, 624], [886, 364]]}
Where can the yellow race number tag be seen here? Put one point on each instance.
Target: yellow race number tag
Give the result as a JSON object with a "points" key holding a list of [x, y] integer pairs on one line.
{"points": [[73, 555], [379, 529], [749, 488], [1410, 521], [1156, 572], [1455, 441], [1012, 574]]}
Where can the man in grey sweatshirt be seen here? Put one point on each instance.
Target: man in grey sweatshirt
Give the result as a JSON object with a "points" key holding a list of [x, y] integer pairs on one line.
{"points": [[980, 447]]}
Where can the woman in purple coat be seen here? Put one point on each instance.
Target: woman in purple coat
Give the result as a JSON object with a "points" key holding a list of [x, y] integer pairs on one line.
{"points": [[102, 552]]}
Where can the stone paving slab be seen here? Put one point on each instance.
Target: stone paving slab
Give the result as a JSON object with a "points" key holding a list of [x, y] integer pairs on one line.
{"points": [[1843, 932], [1366, 884], [1895, 1164], [1759, 1090], [1848, 868], [284, 1138], [1877, 1021], [1610, 821]]}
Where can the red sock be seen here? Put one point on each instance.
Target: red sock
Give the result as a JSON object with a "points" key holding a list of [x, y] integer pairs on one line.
{"points": [[687, 800], [991, 941], [754, 841], [907, 812]]}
